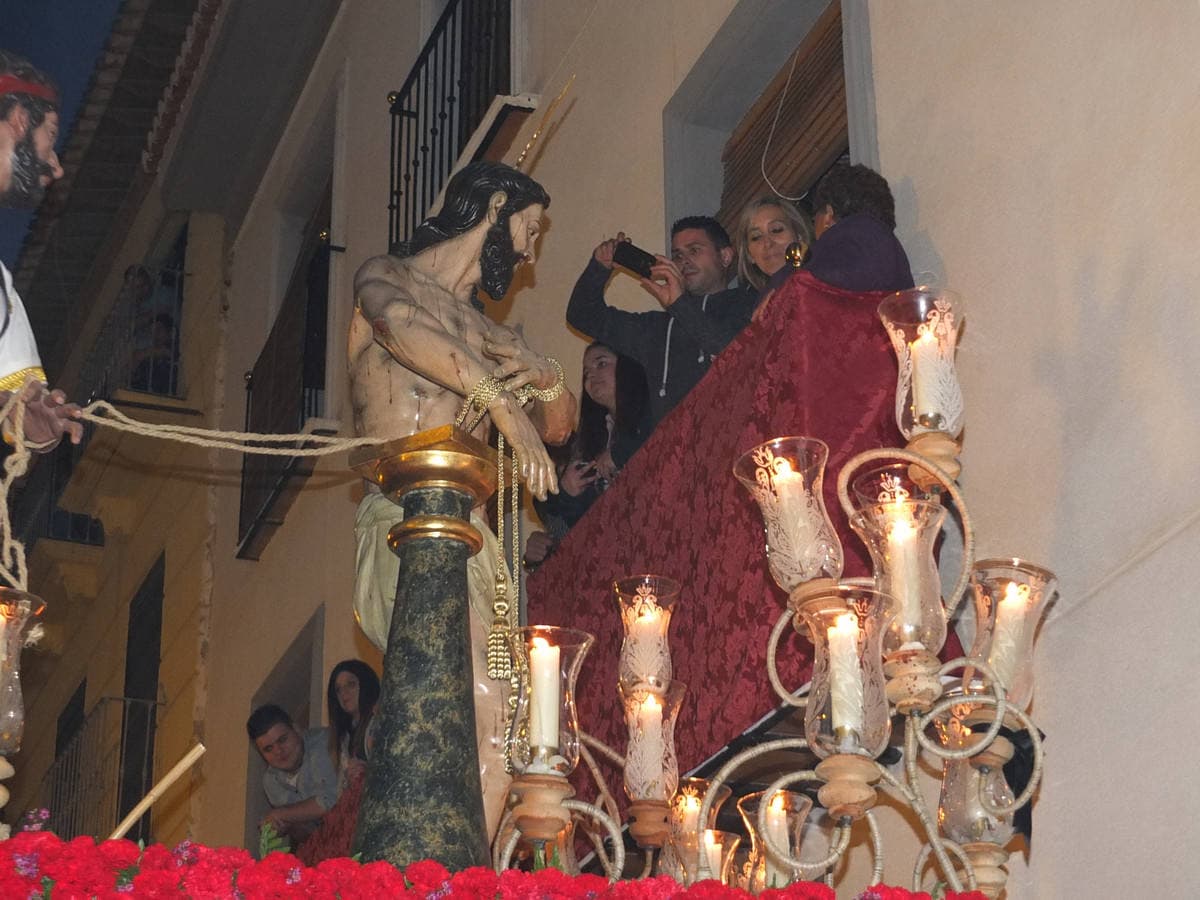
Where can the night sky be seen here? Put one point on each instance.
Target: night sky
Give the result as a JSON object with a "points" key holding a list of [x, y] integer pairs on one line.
{"points": [[63, 38]]}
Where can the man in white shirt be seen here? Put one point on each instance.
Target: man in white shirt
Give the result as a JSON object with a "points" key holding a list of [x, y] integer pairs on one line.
{"points": [[28, 165]]}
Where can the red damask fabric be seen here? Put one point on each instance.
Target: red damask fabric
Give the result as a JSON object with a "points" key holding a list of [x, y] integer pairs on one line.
{"points": [[818, 363]]}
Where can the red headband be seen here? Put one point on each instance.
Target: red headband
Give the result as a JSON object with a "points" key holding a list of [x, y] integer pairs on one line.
{"points": [[11, 84]]}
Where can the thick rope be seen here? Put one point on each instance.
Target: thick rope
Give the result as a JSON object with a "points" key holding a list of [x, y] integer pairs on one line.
{"points": [[13, 569]]}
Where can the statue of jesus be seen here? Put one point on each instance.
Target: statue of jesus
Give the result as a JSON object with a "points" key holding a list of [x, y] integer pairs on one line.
{"points": [[419, 346]]}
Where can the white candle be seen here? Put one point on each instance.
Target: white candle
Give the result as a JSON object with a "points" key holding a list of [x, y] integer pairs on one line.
{"points": [[689, 816], [1006, 634], [712, 850], [926, 366], [794, 510], [904, 571], [845, 677], [646, 653], [777, 830], [649, 720], [544, 690]]}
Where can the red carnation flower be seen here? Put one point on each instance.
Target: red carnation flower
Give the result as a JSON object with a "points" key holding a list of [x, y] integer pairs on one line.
{"points": [[427, 876], [156, 884], [340, 870], [477, 881], [377, 879], [119, 854], [156, 856]]}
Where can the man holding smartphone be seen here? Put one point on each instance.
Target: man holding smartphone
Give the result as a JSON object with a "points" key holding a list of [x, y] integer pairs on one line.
{"points": [[700, 314]]}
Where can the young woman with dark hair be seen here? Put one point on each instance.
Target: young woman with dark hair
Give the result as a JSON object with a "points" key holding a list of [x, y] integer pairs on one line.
{"points": [[352, 695], [613, 423]]}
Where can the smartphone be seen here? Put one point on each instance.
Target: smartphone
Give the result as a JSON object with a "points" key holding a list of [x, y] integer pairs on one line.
{"points": [[635, 259]]}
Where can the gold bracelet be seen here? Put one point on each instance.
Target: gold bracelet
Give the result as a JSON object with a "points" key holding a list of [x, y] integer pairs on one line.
{"points": [[528, 392]]}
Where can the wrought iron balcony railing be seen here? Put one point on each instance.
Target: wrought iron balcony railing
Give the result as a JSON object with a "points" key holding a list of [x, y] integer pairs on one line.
{"points": [[105, 769], [463, 66]]}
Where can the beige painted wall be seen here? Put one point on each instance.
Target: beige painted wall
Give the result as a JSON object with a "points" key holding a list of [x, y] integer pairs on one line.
{"points": [[1043, 157], [259, 607], [603, 161]]}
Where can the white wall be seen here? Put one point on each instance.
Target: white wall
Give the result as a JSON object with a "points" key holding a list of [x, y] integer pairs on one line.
{"points": [[1043, 158]]}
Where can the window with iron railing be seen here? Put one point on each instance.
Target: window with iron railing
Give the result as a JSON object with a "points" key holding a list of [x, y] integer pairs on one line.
{"points": [[138, 347], [463, 66], [285, 391], [35, 510], [82, 787]]}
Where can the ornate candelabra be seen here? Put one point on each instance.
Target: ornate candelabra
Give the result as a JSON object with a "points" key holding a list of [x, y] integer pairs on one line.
{"points": [[876, 656]]}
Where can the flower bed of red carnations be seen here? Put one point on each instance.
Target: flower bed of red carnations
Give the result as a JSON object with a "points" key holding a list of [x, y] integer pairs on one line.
{"points": [[36, 864]]}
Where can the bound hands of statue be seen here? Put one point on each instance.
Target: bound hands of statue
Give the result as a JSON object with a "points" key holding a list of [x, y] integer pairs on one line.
{"points": [[48, 416], [665, 283], [537, 471], [577, 476], [519, 365]]}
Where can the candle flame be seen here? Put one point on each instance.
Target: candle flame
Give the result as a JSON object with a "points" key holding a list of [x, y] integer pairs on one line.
{"points": [[710, 838], [540, 643], [649, 612], [651, 704], [691, 801], [847, 623], [777, 803], [1012, 593]]}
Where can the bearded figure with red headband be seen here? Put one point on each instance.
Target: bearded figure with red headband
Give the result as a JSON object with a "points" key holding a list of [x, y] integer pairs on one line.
{"points": [[28, 165]]}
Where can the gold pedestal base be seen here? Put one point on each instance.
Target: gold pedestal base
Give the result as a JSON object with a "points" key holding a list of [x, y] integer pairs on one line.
{"points": [[648, 823], [538, 810], [988, 862], [848, 791], [445, 457], [913, 684]]}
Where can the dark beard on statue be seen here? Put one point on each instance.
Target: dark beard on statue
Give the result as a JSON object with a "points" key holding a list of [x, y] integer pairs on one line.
{"points": [[25, 191], [498, 261]]}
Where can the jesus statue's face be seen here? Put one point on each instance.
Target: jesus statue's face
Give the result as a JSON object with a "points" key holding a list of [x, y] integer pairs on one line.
{"points": [[506, 248]]}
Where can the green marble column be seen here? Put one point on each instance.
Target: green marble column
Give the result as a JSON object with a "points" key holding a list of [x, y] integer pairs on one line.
{"points": [[422, 798]]}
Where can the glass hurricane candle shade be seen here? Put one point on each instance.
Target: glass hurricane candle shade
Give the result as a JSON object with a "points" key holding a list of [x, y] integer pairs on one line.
{"points": [[784, 821], [923, 324], [900, 524], [684, 818], [651, 768], [18, 610], [718, 849], [961, 813], [785, 476], [544, 732], [646, 603], [847, 708], [1010, 597], [900, 535]]}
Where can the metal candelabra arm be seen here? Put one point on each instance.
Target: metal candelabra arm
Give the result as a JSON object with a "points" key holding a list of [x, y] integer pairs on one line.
{"points": [[945, 704], [772, 670], [613, 867], [895, 453]]}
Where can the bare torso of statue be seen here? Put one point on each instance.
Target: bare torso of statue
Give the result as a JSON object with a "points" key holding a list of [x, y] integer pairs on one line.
{"points": [[417, 349], [391, 399]]}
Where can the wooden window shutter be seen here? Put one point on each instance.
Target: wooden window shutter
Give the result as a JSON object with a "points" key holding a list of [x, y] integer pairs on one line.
{"points": [[812, 131]]}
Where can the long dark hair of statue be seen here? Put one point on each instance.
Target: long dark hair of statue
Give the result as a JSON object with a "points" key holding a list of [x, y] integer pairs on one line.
{"points": [[466, 205], [632, 395], [341, 722]]}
